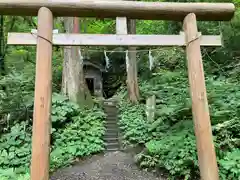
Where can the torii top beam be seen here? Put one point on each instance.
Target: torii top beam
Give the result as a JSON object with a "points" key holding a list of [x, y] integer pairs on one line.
{"points": [[113, 9]]}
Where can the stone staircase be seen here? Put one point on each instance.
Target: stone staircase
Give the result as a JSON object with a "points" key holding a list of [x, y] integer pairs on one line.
{"points": [[112, 130]]}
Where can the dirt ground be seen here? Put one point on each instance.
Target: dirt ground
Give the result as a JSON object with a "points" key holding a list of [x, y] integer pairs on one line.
{"points": [[110, 166]]}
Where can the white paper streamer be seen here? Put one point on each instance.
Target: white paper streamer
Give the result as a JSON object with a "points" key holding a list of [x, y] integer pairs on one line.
{"points": [[106, 60], [151, 60], [127, 60]]}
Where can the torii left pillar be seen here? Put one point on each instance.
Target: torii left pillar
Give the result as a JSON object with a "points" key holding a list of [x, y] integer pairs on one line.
{"points": [[43, 97]]}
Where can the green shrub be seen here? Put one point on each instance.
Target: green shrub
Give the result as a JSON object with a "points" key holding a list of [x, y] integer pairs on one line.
{"points": [[81, 137], [75, 134], [15, 147], [169, 140], [174, 152], [133, 124], [230, 165], [62, 110], [17, 99], [13, 174]]}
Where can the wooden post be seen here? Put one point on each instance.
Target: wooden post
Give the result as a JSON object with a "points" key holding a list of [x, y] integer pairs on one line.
{"points": [[205, 147], [43, 97], [151, 108]]}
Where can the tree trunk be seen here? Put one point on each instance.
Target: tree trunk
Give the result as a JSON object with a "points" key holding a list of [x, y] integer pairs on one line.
{"points": [[132, 72], [74, 85], [2, 64]]}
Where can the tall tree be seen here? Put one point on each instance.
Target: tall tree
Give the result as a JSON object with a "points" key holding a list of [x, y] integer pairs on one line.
{"points": [[73, 83], [2, 46], [132, 71]]}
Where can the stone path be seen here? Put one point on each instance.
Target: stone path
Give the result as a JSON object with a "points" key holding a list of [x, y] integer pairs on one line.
{"points": [[111, 125], [111, 166]]}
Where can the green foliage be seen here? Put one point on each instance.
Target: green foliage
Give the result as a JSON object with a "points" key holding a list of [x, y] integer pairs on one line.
{"points": [[62, 109], [17, 97], [12, 174], [16, 147], [169, 140], [81, 137], [133, 124], [175, 152], [230, 165], [227, 134], [75, 134]]}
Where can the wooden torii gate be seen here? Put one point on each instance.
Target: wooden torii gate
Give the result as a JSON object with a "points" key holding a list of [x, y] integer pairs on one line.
{"points": [[191, 38]]}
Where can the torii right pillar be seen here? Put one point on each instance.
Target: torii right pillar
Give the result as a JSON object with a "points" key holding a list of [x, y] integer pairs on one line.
{"points": [[202, 125]]}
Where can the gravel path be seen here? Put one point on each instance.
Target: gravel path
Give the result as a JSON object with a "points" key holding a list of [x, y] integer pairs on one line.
{"points": [[111, 166]]}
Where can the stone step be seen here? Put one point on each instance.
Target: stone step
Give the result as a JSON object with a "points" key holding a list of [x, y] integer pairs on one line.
{"points": [[112, 146], [111, 121], [111, 135], [112, 130], [111, 126], [111, 113], [112, 150], [111, 140], [110, 107]]}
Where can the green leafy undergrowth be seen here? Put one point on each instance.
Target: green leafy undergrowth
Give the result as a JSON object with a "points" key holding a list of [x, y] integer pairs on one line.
{"points": [[15, 147], [133, 124], [75, 133], [16, 98], [135, 128], [227, 137], [172, 95], [81, 137], [13, 174], [62, 110], [169, 140], [174, 152], [230, 165]]}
